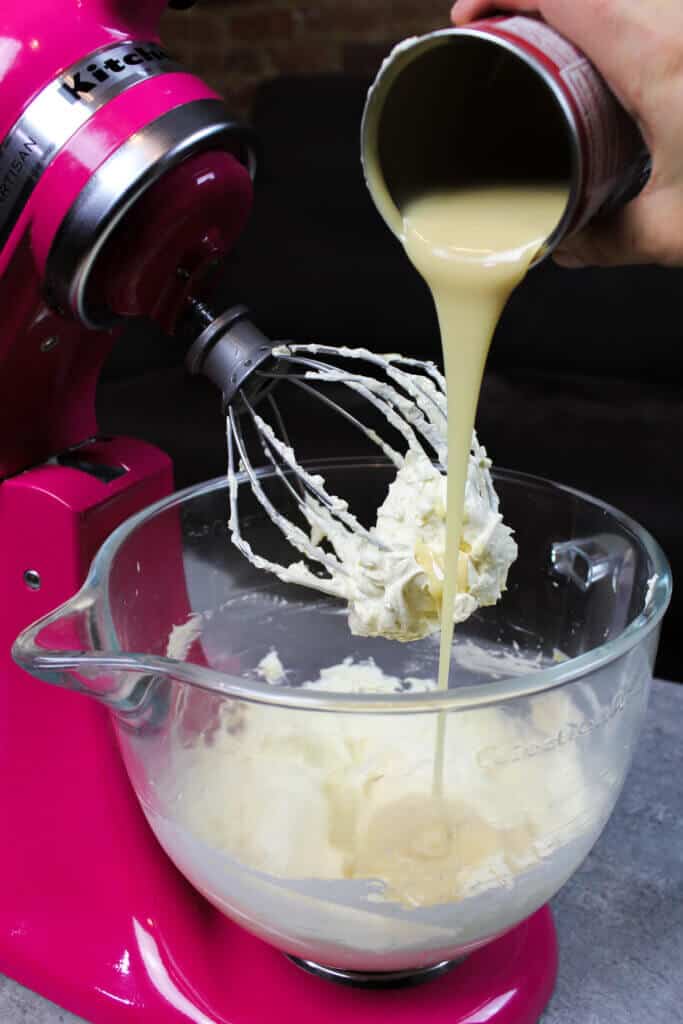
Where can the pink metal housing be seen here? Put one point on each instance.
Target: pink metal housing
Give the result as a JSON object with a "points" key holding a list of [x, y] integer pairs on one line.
{"points": [[49, 364]]}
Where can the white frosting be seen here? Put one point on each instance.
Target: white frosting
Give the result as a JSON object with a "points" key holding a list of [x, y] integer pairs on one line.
{"points": [[392, 575], [182, 636], [314, 795], [271, 668], [393, 579], [400, 595]]}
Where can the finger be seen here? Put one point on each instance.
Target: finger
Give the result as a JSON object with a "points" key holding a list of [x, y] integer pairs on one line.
{"points": [[627, 237], [465, 11], [592, 25]]}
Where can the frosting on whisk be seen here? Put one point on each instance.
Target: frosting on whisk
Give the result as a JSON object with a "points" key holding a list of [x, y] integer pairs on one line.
{"points": [[391, 575]]}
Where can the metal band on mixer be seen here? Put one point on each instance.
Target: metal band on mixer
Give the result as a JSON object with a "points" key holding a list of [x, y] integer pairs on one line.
{"points": [[115, 186], [61, 108]]}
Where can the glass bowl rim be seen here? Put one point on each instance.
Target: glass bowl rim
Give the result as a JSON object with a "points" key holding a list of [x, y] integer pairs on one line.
{"points": [[461, 698]]}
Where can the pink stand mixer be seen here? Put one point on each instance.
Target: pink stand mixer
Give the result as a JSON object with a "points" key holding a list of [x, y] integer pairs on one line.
{"points": [[123, 181]]}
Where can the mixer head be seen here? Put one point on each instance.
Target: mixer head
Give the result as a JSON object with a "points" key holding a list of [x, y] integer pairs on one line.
{"points": [[124, 181]]}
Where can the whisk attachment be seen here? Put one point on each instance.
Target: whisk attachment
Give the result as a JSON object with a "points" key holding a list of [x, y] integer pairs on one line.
{"points": [[228, 350], [390, 573]]}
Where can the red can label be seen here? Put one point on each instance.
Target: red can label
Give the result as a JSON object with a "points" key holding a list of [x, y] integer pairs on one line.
{"points": [[613, 152]]}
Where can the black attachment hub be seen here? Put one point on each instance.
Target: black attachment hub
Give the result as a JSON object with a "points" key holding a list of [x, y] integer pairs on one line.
{"points": [[230, 351]]}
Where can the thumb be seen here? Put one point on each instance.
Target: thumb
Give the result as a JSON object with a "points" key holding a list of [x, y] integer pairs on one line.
{"points": [[464, 11], [627, 236]]}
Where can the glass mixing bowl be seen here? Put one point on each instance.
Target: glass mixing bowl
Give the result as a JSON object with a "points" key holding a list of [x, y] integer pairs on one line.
{"points": [[379, 831]]}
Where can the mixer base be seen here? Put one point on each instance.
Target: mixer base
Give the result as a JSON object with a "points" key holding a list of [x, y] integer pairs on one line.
{"points": [[508, 981], [376, 979]]}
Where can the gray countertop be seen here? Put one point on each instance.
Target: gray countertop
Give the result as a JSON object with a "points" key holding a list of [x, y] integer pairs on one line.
{"points": [[620, 918]]}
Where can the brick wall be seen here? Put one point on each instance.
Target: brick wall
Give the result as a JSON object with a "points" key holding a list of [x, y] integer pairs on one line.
{"points": [[236, 45]]}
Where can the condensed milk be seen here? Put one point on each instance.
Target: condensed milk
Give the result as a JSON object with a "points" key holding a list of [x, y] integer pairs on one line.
{"points": [[472, 246]]}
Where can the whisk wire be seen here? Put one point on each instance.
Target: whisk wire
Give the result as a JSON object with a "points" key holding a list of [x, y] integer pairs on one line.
{"points": [[390, 364], [294, 534], [272, 448], [409, 394], [403, 413]]}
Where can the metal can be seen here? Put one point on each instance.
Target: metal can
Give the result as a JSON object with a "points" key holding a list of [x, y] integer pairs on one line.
{"points": [[502, 100]]}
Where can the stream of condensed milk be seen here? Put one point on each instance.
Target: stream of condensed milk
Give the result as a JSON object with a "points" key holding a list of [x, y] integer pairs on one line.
{"points": [[472, 246]]}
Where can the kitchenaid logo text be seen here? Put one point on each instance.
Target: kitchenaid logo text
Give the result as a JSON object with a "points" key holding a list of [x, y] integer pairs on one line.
{"points": [[16, 168], [80, 84], [495, 756]]}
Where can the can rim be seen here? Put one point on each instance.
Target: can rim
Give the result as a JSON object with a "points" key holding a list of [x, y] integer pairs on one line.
{"points": [[410, 48]]}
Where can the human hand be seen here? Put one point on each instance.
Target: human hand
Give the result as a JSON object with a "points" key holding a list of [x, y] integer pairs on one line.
{"points": [[637, 45]]}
